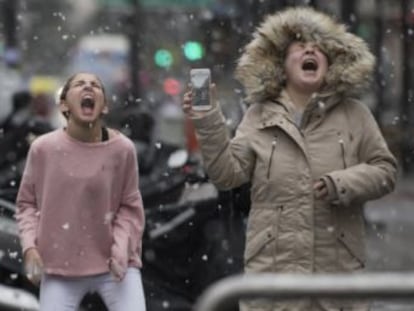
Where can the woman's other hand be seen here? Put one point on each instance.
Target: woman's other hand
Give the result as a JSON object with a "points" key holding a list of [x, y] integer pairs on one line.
{"points": [[320, 190]]}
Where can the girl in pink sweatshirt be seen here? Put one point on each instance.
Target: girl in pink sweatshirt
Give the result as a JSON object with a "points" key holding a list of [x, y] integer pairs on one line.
{"points": [[79, 209]]}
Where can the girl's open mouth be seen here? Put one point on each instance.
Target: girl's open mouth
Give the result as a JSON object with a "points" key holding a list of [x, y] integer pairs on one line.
{"points": [[87, 105]]}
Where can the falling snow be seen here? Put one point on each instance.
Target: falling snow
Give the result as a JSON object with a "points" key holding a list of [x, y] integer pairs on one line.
{"points": [[50, 40], [13, 255]]}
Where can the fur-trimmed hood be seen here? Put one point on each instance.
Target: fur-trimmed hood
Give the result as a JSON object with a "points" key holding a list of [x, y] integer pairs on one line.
{"points": [[261, 67]]}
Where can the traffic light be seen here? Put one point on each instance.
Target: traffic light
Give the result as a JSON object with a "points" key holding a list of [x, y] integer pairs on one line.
{"points": [[163, 58], [172, 86], [193, 50]]}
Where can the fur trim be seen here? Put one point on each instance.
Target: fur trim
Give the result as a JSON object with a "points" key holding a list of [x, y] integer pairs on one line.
{"points": [[260, 67]]}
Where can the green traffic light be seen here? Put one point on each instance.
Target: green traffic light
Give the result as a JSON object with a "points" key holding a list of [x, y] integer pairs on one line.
{"points": [[193, 50], [163, 58]]}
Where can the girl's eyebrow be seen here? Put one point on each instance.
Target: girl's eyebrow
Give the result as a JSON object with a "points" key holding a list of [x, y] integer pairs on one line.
{"points": [[83, 81], [78, 81]]}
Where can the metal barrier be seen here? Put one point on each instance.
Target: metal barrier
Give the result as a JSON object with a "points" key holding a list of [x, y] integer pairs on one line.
{"points": [[225, 293]]}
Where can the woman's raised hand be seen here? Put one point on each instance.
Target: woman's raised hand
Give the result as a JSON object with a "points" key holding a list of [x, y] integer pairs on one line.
{"points": [[188, 99]]}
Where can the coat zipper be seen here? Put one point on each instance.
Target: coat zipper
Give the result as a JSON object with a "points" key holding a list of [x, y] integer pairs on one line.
{"points": [[341, 143], [274, 142]]}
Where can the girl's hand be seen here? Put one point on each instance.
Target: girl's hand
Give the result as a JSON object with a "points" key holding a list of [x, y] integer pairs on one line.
{"points": [[116, 270], [33, 265]]}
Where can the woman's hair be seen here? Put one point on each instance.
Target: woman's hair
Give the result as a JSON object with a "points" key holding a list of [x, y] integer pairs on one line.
{"points": [[66, 87]]}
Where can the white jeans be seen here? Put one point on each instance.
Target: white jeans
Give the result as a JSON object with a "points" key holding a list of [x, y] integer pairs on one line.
{"points": [[65, 294]]}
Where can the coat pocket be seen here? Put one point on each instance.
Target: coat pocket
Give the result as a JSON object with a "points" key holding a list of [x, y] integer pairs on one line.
{"points": [[350, 237], [259, 254], [256, 245], [350, 256]]}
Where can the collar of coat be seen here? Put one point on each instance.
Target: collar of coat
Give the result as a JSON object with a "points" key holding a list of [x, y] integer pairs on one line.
{"points": [[278, 112], [260, 67]]}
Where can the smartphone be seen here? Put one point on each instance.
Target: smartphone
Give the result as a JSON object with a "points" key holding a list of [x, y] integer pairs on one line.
{"points": [[200, 80]]}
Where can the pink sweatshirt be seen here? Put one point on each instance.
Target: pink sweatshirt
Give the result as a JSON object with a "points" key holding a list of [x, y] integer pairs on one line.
{"points": [[79, 204]]}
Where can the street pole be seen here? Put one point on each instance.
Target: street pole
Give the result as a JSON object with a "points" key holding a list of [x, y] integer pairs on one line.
{"points": [[405, 115], [10, 22], [135, 45], [379, 72], [347, 13], [9, 8]]}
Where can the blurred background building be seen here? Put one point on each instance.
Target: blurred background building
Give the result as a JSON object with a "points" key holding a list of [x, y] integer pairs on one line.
{"points": [[144, 49]]}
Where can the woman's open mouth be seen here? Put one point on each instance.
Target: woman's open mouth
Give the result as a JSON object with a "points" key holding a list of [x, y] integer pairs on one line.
{"points": [[310, 65]]}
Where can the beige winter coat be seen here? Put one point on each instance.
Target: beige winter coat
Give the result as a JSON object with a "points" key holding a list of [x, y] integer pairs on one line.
{"points": [[337, 140]]}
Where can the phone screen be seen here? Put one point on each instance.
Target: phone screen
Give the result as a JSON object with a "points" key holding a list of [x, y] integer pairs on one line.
{"points": [[200, 80], [201, 96]]}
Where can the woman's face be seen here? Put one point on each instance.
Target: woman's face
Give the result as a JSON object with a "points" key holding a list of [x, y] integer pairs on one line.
{"points": [[305, 66], [85, 99]]}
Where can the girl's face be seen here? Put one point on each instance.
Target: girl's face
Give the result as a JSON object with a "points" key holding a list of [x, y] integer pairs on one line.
{"points": [[85, 99], [305, 66]]}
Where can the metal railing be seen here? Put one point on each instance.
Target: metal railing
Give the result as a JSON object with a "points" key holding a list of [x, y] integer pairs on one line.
{"points": [[225, 293]]}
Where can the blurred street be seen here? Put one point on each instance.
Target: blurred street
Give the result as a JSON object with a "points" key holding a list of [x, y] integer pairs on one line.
{"points": [[392, 229], [390, 236]]}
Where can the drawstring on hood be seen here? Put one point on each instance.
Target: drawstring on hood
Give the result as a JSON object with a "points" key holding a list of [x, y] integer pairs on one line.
{"points": [[261, 67]]}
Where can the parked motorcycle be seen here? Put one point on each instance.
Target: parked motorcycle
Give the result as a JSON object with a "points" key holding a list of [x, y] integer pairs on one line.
{"points": [[16, 292], [13, 299], [188, 244]]}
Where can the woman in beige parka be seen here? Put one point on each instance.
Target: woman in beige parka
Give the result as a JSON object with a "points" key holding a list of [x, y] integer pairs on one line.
{"points": [[312, 152]]}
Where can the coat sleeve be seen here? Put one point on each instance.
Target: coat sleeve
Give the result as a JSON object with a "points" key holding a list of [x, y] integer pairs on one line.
{"points": [[229, 162], [27, 213], [129, 220], [375, 175]]}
